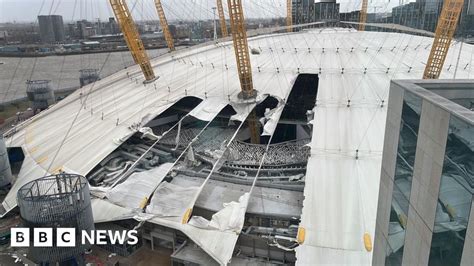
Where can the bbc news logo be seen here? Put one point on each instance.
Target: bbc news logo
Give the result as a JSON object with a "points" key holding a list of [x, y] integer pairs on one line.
{"points": [[66, 237]]}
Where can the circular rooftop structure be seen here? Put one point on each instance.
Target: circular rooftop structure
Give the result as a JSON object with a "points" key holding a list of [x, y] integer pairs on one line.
{"points": [[58, 201]]}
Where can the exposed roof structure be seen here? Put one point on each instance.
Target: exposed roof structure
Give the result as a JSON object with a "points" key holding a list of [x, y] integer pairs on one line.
{"points": [[343, 171]]}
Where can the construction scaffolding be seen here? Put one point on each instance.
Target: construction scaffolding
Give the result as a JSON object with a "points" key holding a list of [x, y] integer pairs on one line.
{"points": [[363, 15], [241, 49], [132, 38], [57, 201], [220, 10], [447, 23], [164, 25]]}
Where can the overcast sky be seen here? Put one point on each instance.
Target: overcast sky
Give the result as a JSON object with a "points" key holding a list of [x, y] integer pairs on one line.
{"points": [[28, 10]]}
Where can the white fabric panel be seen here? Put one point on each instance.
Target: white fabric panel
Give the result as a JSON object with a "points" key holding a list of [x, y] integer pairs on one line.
{"points": [[218, 244], [104, 211], [171, 201], [271, 120], [456, 196], [138, 186], [29, 171], [117, 102], [396, 237], [230, 218], [243, 110], [209, 108]]}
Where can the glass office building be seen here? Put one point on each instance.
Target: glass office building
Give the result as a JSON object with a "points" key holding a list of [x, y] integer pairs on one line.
{"points": [[425, 213]]}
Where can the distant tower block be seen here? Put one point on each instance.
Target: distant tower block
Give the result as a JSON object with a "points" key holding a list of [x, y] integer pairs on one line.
{"points": [[40, 94], [88, 76], [61, 200]]}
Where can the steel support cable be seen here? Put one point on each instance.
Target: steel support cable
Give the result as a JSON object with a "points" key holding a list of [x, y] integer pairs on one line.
{"points": [[19, 62], [179, 157], [260, 166], [470, 64], [196, 57], [171, 10], [134, 164], [74, 120], [11, 80], [280, 64], [417, 49], [361, 202], [370, 84], [399, 58], [377, 110], [190, 11], [370, 62], [341, 66], [357, 42], [214, 166], [51, 7]]}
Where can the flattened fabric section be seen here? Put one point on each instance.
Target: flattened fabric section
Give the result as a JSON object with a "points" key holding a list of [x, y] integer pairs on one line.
{"points": [[138, 187]]}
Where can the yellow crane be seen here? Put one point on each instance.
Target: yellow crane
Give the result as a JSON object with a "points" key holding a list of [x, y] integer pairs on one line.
{"points": [[220, 10], [132, 38], [289, 15], [164, 25], [363, 15], [445, 29], [242, 55]]}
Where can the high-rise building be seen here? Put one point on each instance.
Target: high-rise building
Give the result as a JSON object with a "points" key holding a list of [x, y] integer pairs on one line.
{"points": [[425, 214], [307, 11], [51, 28], [113, 26], [58, 28], [466, 27], [303, 11], [326, 10], [424, 14], [430, 11], [408, 15], [46, 29]]}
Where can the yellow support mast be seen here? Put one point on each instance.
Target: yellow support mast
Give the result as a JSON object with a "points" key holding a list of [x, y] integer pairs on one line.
{"points": [[220, 10], [289, 15], [242, 55], [164, 25], [363, 15], [444, 33], [132, 38]]}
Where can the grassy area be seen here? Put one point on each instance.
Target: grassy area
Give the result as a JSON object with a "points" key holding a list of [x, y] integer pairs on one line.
{"points": [[9, 110]]}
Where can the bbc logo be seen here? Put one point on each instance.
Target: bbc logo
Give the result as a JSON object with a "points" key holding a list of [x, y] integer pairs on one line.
{"points": [[43, 237]]}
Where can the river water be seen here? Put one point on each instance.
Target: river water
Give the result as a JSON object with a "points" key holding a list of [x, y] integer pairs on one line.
{"points": [[63, 71]]}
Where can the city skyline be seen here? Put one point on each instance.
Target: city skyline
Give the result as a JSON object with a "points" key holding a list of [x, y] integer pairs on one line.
{"points": [[73, 10]]}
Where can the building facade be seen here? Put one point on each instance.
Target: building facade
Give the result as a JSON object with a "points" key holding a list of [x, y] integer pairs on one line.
{"points": [[51, 28], [326, 10], [424, 14], [425, 213], [408, 15], [303, 11], [307, 11]]}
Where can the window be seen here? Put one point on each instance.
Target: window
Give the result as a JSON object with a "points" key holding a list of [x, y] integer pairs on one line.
{"points": [[407, 141], [455, 195]]}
